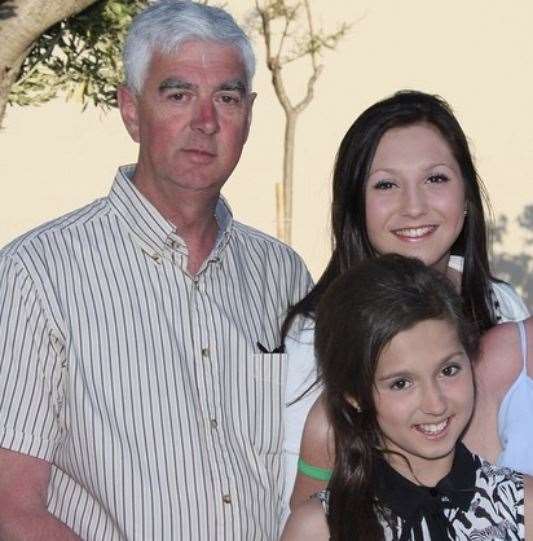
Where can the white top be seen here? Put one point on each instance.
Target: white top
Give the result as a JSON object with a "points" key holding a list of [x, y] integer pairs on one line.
{"points": [[302, 369], [509, 305], [142, 385], [515, 432]]}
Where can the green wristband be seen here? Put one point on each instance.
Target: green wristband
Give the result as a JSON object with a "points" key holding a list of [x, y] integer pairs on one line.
{"points": [[314, 472]]}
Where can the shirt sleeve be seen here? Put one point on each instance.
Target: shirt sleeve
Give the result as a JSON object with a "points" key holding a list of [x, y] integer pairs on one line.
{"points": [[510, 304], [301, 282], [30, 367]]}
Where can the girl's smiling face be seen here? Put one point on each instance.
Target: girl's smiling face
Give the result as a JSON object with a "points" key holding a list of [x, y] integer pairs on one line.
{"points": [[415, 195], [424, 398]]}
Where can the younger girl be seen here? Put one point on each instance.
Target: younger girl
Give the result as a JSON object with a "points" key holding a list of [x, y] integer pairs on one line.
{"points": [[393, 350]]}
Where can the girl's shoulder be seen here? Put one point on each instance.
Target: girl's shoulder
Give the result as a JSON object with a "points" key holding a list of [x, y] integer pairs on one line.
{"points": [[496, 510], [492, 477], [499, 493], [508, 303]]}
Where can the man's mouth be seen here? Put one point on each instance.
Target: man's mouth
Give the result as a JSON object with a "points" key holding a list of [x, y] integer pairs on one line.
{"points": [[199, 156], [199, 152]]}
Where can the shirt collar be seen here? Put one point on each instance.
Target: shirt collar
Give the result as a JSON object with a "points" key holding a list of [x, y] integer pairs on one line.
{"points": [[414, 503], [149, 226], [224, 218]]}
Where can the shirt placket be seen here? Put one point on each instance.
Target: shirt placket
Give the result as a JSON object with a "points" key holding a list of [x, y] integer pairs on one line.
{"points": [[207, 374]]}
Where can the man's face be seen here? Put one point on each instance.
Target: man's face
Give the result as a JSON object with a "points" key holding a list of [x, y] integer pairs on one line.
{"points": [[191, 118]]}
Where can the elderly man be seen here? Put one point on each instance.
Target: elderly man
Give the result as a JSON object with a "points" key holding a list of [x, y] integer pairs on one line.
{"points": [[141, 377]]}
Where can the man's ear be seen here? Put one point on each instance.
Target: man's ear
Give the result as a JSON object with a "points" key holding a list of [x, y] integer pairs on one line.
{"points": [[129, 110]]}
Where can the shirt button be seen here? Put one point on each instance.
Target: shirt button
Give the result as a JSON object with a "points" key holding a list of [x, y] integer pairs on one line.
{"points": [[226, 498], [173, 244], [214, 424], [205, 353]]}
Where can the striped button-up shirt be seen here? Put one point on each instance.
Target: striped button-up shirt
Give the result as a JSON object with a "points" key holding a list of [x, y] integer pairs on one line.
{"points": [[146, 388]]}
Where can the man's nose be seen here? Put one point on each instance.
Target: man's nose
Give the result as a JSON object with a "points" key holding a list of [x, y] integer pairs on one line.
{"points": [[205, 117]]}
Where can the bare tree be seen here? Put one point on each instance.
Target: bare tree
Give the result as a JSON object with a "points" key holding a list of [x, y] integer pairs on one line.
{"points": [[289, 35], [21, 23]]}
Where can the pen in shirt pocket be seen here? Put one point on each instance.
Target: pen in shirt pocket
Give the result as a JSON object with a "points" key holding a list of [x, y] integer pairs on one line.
{"points": [[263, 349]]}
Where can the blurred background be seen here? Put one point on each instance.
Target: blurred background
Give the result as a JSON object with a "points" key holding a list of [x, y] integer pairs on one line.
{"points": [[477, 55]]}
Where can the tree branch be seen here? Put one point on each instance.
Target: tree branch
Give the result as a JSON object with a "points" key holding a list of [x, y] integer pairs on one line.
{"points": [[273, 62], [18, 33], [310, 90], [312, 52], [283, 37]]}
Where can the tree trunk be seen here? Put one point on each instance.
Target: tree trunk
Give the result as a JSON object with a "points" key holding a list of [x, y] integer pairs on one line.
{"points": [[288, 173], [19, 31]]}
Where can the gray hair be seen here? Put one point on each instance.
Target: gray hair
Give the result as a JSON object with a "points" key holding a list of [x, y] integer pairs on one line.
{"points": [[166, 24]]}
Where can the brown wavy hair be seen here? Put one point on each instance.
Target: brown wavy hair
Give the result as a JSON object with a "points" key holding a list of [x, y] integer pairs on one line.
{"points": [[359, 314], [351, 244]]}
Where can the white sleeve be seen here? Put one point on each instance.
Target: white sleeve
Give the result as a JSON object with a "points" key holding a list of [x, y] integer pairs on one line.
{"points": [[510, 304], [301, 374]]}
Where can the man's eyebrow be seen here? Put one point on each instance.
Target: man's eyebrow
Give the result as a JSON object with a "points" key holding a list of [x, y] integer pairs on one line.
{"points": [[174, 84], [236, 84]]}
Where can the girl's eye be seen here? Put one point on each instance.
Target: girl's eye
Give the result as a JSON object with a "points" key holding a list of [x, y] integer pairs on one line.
{"points": [[400, 384], [384, 185], [450, 370], [437, 178]]}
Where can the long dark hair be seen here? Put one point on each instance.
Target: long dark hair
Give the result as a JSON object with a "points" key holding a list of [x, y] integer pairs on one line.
{"points": [[354, 159], [359, 314]]}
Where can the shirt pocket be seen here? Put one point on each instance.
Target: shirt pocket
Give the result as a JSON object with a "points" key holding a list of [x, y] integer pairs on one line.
{"points": [[267, 401]]}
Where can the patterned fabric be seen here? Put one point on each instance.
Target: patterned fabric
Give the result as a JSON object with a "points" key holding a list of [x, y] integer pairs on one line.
{"points": [[144, 386], [420, 507], [496, 510]]}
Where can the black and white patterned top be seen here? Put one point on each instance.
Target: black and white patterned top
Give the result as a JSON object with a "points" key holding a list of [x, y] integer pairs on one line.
{"points": [[495, 510]]}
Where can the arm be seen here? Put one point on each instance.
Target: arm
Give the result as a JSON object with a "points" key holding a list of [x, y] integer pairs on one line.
{"points": [[307, 523], [30, 407], [23, 492], [317, 449], [496, 368]]}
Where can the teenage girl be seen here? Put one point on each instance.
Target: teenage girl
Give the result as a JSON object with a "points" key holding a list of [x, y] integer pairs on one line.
{"points": [[404, 182], [394, 350]]}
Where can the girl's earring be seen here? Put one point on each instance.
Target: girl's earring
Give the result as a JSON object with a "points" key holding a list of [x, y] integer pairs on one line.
{"points": [[465, 212]]}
